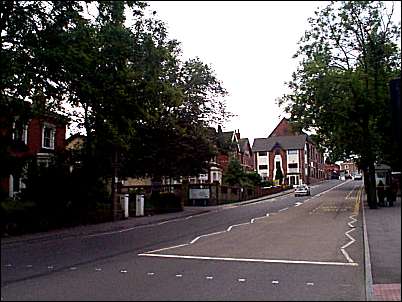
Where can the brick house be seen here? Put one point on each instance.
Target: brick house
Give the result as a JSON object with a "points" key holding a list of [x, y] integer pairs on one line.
{"points": [[332, 171], [295, 154], [348, 168], [40, 138], [239, 148]]}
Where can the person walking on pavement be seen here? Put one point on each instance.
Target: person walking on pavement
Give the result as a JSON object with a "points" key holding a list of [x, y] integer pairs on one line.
{"points": [[381, 193]]}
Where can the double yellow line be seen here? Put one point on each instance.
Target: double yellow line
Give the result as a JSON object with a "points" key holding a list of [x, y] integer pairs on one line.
{"points": [[357, 202]]}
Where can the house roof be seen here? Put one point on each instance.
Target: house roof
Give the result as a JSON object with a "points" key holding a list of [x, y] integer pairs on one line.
{"points": [[244, 143], [285, 142]]}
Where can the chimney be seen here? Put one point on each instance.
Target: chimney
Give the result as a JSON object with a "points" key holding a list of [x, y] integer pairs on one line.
{"points": [[237, 133]]}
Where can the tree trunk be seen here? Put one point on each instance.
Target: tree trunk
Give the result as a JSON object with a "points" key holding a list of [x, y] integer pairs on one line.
{"points": [[370, 186]]}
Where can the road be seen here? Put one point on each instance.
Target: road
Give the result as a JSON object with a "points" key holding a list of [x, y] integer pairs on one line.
{"points": [[286, 248]]}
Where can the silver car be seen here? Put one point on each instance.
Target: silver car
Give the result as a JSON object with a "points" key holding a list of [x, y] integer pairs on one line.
{"points": [[302, 190]]}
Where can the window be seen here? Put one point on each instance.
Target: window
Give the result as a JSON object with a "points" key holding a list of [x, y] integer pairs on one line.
{"points": [[292, 166], [20, 132], [290, 152], [262, 167], [262, 153], [48, 135]]}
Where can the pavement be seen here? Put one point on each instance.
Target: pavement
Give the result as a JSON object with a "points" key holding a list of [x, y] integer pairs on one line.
{"points": [[382, 241]]}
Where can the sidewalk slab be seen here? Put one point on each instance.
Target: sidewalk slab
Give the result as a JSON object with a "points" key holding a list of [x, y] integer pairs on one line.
{"points": [[387, 292], [383, 244]]}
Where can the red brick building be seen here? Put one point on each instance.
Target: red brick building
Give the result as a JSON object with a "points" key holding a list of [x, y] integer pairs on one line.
{"points": [[294, 154], [40, 138]]}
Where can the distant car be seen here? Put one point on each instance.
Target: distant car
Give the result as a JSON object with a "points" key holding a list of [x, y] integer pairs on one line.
{"points": [[357, 177], [302, 190]]}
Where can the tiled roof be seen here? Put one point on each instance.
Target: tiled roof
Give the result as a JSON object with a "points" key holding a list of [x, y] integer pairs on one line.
{"points": [[285, 142]]}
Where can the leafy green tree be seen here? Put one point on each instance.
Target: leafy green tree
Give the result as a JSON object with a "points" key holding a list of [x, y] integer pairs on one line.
{"points": [[235, 174], [341, 87], [253, 179]]}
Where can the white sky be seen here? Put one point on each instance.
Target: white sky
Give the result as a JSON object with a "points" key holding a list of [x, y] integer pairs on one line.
{"points": [[250, 45]]}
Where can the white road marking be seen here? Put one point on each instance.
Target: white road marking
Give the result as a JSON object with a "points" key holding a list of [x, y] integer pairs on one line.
{"points": [[123, 271], [194, 240], [275, 282], [179, 275], [298, 204], [350, 223], [241, 280], [73, 268], [168, 248], [8, 265], [150, 274], [284, 209], [352, 240], [98, 269], [209, 277], [50, 267], [310, 283], [250, 259]]}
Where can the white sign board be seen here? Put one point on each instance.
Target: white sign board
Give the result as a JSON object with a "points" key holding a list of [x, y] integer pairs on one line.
{"points": [[199, 193]]}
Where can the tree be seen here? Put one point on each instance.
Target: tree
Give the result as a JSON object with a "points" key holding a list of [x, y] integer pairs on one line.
{"points": [[340, 89], [234, 174], [133, 88], [279, 175]]}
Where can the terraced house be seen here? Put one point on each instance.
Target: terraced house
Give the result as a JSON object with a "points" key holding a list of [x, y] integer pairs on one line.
{"points": [[295, 154]]}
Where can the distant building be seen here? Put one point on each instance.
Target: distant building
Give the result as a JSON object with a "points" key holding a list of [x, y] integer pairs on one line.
{"points": [[295, 154], [332, 171], [348, 168]]}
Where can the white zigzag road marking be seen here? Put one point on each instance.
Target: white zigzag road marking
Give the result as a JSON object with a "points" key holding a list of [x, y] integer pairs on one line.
{"points": [[352, 240]]}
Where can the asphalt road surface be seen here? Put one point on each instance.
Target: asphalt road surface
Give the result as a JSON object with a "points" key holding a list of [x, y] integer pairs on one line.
{"points": [[286, 248]]}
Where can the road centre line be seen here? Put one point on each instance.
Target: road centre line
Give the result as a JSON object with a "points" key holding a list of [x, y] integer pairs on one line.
{"points": [[250, 260], [194, 240]]}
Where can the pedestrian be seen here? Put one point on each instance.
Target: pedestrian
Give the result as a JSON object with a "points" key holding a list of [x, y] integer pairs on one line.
{"points": [[381, 193]]}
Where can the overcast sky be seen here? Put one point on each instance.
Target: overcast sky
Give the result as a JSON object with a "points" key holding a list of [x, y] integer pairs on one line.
{"points": [[250, 45]]}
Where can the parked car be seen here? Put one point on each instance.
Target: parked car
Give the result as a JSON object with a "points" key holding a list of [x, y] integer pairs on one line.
{"points": [[302, 190], [358, 176]]}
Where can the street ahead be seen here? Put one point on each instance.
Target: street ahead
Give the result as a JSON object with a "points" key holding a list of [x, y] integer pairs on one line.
{"points": [[286, 248]]}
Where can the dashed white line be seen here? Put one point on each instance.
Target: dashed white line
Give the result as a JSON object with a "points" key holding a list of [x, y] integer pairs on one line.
{"points": [[284, 209]]}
